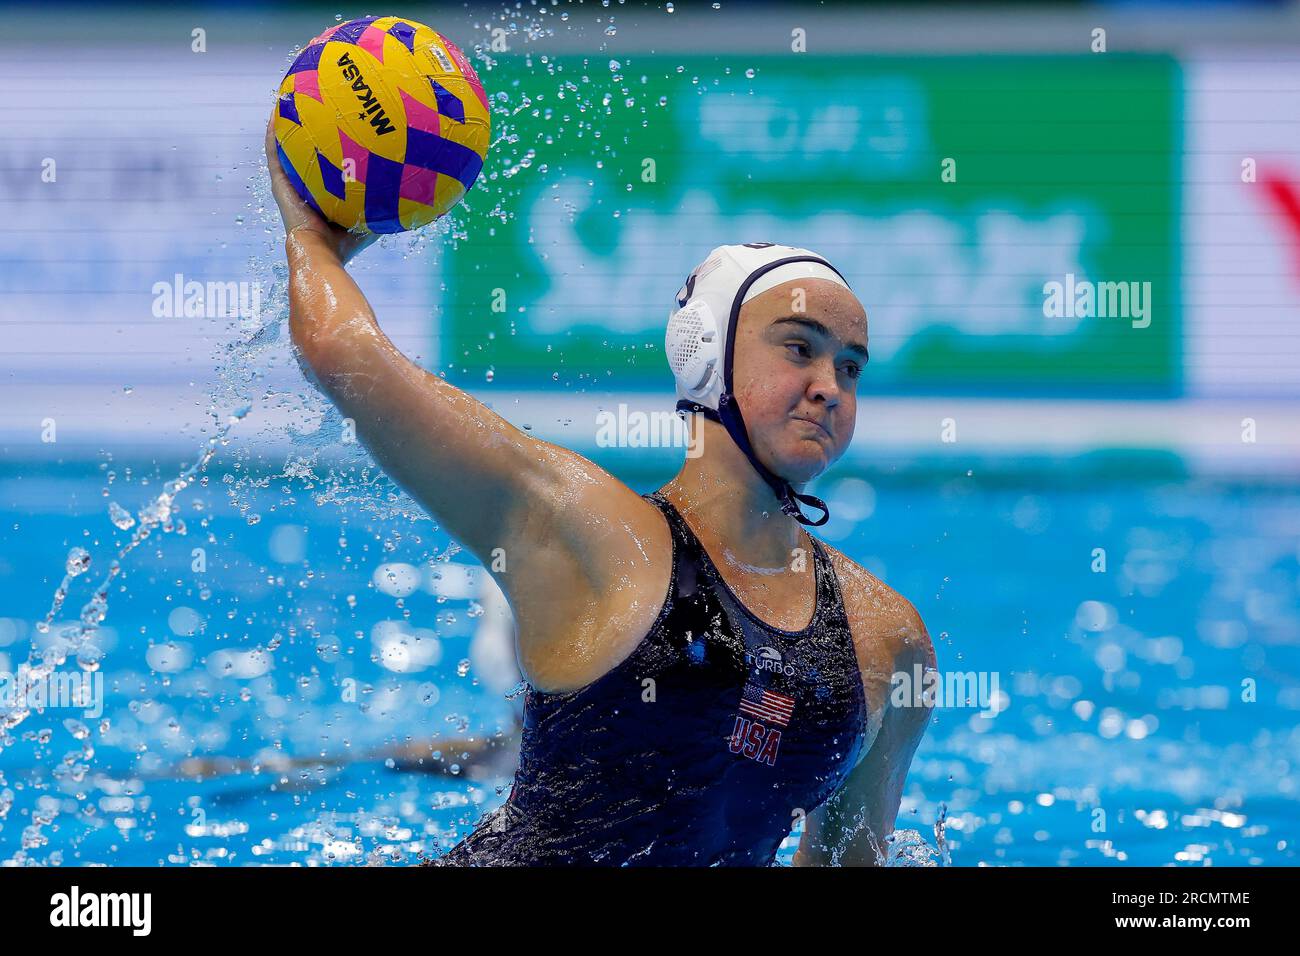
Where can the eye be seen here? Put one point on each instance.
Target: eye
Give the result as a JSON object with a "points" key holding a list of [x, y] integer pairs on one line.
{"points": [[853, 370], [807, 351]]}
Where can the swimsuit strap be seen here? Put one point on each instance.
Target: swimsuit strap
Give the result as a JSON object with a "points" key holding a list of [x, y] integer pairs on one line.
{"points": [[829, 607]]}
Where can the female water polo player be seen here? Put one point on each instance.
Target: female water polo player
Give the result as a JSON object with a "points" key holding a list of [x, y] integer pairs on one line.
{"points": [[703, 672]]}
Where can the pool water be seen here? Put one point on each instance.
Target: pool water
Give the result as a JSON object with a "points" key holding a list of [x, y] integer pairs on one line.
{"points": [[1146, 712]]}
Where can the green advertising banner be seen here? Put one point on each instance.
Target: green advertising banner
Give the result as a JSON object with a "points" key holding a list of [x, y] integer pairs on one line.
{"points": [[1009, 223]]}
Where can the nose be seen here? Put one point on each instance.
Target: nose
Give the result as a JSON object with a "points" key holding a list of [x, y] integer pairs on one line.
{"points": [[825, 387]]}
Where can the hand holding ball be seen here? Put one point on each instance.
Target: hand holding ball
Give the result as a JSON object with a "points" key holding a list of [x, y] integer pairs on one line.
{"points": [[381, 124]]}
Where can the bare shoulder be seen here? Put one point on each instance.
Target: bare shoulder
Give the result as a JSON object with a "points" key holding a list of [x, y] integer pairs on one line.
{"points": [[887, 629]]}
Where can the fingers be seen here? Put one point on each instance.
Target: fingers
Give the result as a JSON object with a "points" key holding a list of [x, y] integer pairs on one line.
{"points": [[279, 181], [272, 156], [296, 214]]}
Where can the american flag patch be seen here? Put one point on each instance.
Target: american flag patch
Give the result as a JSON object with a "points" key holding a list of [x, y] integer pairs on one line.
{"points": [[766, 705]]}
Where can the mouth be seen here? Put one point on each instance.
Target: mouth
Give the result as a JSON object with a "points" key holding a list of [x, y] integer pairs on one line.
{"points": [[818, 425]]}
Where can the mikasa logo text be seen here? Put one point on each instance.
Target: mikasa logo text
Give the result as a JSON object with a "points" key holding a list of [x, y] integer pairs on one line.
{"points": [[369, 103]]}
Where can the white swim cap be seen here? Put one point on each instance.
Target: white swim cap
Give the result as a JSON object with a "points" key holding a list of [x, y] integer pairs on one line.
{"points": [[700, 341]]}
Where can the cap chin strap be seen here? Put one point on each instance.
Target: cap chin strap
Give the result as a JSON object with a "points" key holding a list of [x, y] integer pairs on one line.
{"points": [[728, 415]]}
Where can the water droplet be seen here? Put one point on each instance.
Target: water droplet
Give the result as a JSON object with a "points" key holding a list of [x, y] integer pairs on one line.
{"points": [[89, 656], [78, 561], [119, 516]]}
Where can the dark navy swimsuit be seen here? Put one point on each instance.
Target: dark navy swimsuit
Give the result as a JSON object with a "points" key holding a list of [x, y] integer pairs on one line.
{"points": [[700, 748]]}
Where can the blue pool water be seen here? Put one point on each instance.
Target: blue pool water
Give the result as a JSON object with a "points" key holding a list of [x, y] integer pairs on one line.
{"points": [[1148, 712]]}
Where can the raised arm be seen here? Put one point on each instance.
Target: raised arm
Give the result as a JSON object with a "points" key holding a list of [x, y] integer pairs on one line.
{"points": [[565, 528], [851, 827]]}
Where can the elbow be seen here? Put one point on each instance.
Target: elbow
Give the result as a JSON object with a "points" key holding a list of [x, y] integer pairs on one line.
{"points": [[315, 357], [323, 363], [333, 342]]}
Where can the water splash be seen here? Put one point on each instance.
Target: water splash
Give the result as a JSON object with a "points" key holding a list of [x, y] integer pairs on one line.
{"points": [[157, 513], [77, 563], [75, 639], [908, 848], [940, 838]]}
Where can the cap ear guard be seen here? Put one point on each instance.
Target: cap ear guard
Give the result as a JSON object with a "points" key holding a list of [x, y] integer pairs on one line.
{"points": [[693, 347]]}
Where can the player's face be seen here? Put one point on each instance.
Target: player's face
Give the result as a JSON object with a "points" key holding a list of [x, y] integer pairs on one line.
{"points": [[800, 348]]}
